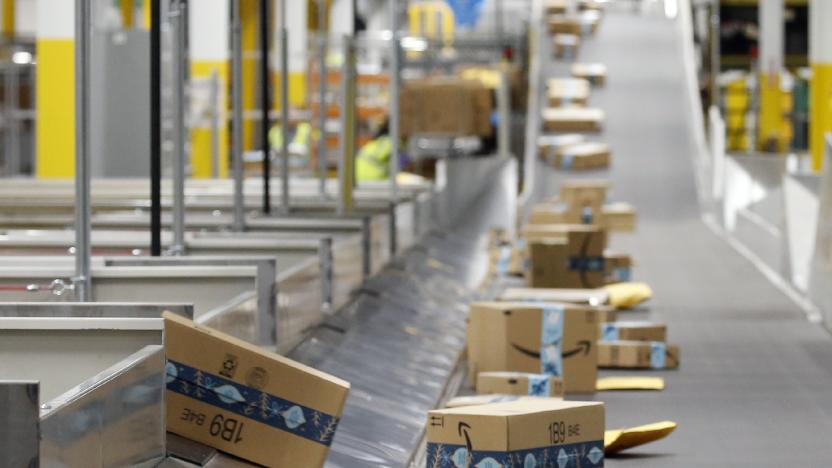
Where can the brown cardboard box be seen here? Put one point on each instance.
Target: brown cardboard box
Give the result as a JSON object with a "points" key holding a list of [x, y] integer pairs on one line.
{"points": [[593, 298], [507, 259], [549, 213], [555, 7], [638, 355], [240, 399], [633, 331], [446, 105], [584, 192], [528, 433], [562, 24], [619, 216], [576, 263], [573, 119], [617, 266], [596, 73], [589, 155], [519, 383], [524, 337], [549, 145], [567, 92]]}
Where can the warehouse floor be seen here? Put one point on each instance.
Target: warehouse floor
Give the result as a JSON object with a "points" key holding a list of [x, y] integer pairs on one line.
{"points": [[754, 388]]}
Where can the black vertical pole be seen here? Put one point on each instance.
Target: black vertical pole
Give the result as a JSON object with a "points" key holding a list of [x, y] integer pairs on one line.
{"points": [[155, 130], [265, 105]]}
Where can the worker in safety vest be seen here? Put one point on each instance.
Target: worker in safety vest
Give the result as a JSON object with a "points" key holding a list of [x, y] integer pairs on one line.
{"points": [[373, 159], [298, 145]]}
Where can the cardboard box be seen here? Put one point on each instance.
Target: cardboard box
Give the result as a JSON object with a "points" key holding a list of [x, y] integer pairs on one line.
{"points": [[545, 338], [448, 106], [618, 267], [633, 331], [549, 145], [566, 45], [596, 73], [590, 155], [576, 263], [573, 119], [555, 7], [567, 92], [548, 213], [562, 24], [593, 297], [475, 400], [240, 399], [519, 383], [638, 355], [585, 198], [527, 433], [619, 216], [507, 259]]}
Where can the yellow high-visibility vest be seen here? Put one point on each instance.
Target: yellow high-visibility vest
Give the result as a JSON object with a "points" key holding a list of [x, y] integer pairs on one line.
{"points": [[373, 160]]}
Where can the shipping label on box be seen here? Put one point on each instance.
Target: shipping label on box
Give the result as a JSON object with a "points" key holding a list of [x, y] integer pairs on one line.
{"points": [[520, 383], [633, 331], [553, 339], [524, 433], [240, 399], [638, 355]]}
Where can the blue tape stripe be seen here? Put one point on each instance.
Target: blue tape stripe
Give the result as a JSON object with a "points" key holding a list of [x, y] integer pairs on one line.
{"points": [[551, 341], [586, 263], [609, 332], [251, 403], [582, 454], [657, 355], [539, 385]]}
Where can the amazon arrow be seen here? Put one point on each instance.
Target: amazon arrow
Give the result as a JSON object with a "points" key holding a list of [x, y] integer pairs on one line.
{"points": [[583, 348]]}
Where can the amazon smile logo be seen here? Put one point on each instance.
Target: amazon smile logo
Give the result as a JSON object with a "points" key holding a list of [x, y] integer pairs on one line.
{"points": [[582, 349]]}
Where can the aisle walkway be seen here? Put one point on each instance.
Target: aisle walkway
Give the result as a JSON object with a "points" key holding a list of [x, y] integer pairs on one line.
{"points": [[755, 386]]}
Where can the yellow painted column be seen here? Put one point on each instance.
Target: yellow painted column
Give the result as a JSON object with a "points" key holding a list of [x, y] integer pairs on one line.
{"points": [[297, 24], [770, 129], [209, 38], [55, 89], [128, 10], [8, 13], [249, 12], [820, 92]]}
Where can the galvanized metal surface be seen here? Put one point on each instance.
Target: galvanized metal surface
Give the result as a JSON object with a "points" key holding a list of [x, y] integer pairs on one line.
{"points": [[19, 424]]}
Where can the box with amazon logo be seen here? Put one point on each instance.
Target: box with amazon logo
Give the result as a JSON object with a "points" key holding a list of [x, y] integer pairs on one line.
{"points": [[539, 338], [576, 263], [523, 433], [240, 399]]}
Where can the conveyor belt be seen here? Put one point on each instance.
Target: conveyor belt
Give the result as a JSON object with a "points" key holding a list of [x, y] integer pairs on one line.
{"points": [[755, 386]]}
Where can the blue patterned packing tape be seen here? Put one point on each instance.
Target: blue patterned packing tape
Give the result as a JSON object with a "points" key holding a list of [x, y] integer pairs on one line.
{"points": [[582, 454], [622, 274], [551, 341], [586, 263], [658, 352], [504, 259], [586, 215], [566, 160], [539, 385], [609, 332], [245, 401]]}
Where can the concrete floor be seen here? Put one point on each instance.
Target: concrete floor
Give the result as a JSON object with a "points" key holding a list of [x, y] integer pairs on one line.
{"points": [[755, 385]]}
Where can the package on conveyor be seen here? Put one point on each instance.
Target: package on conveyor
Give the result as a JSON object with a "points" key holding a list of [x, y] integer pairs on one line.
{"points": [[618, 267], [507, 258], [549, 145], [573, 119], [564, 24], [544, 338], [619, 216], [240, 399], [595, 73], [519, 383], [577, 262], [638, 355], [566, 45], [617, 296], [582, 156], [567, 92], [446, 105], [518, 433], [633, 331], [555, 7]]}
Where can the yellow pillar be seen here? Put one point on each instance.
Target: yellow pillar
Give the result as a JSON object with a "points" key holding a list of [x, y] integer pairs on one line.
{"points": [[8, 18], [55, 89], [249, 13], [820, 93], [770, 129], [128, 9], [209, 38]]}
